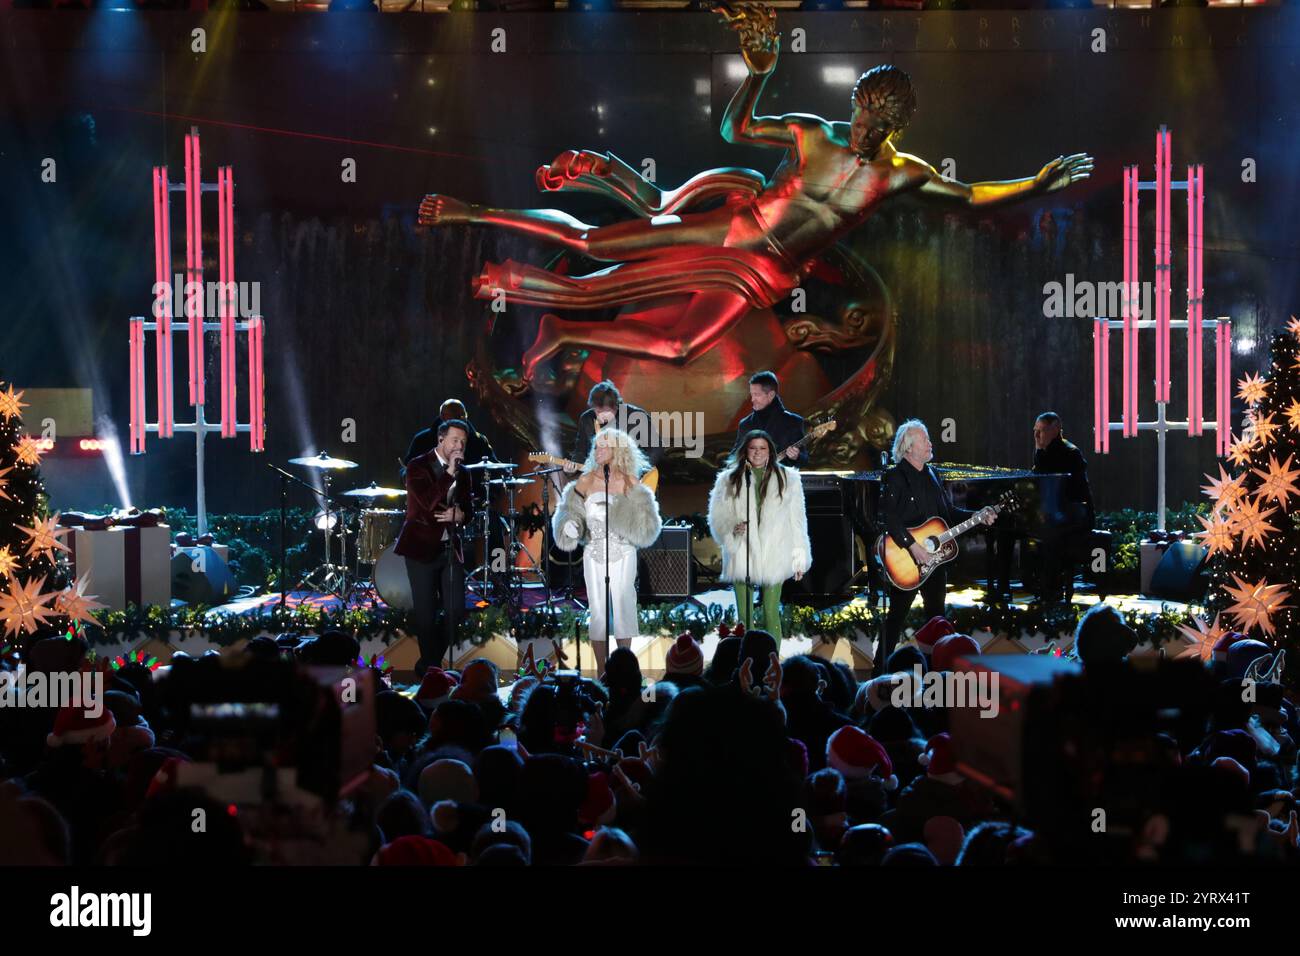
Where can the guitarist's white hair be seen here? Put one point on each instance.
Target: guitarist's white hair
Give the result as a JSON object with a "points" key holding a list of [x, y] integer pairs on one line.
{"points": [[628, 458], [903, 437]]}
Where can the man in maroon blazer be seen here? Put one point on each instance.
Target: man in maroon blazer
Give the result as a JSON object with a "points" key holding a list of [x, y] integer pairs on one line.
{"points": [[437, 506]]}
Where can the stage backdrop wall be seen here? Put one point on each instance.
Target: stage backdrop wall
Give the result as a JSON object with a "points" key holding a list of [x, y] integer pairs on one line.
{"points": [[371, 323]]}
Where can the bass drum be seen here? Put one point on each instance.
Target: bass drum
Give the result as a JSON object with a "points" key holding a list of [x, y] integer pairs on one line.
{"points": [[391, 581]]}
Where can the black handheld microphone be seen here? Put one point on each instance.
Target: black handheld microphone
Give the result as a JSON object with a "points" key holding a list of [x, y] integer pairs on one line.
{"points": [[607, 474]]}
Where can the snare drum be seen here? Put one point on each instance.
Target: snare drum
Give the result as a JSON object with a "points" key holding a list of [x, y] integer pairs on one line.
{"points": [[379, 529], [391, 580]]}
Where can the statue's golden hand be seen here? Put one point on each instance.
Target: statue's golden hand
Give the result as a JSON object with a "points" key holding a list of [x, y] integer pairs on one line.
{"points": [[1062, 171], [756, 24]]}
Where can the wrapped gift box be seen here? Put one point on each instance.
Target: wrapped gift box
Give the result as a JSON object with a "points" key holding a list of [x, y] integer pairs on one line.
{"points": [[125, 565]]}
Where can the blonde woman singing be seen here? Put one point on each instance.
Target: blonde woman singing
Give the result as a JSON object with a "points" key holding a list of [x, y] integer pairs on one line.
{"points": [[610, 512]]}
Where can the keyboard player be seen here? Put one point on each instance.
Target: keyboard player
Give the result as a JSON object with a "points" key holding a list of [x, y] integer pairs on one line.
{"points": [[1070, 515]]}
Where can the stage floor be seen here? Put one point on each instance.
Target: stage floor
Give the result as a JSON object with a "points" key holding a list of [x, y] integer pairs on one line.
{"points": [[651, 649]]}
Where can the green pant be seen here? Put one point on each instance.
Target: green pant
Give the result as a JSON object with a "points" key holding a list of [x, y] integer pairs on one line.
{"points": [[769, 615]]}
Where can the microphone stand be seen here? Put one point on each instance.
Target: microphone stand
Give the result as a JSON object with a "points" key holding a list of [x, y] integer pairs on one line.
{"points": [[546, 473], [609, 608], [286, 477], [749, 587]]}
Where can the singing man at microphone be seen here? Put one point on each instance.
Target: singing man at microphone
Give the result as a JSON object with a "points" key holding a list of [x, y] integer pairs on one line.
{"points": [[437, 505]]}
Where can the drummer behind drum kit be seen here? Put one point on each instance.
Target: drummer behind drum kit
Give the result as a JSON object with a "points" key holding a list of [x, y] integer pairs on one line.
{"points": [[366, 515]]}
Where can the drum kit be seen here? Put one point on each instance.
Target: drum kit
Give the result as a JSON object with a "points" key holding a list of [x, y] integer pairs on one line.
{"points": [[368, 516]]}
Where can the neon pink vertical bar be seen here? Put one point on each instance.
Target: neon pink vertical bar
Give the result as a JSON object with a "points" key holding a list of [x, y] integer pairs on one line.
{"points": [[1096, 385], [231, 309], [199, 377], [189, 257], [1105, 388], [159, 275], [1193, 320], [166, 413], [224, 311], [1124, 301], [255, 384], [137, 388]]}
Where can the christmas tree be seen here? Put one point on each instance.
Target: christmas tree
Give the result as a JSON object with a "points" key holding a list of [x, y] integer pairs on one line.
{"points": [[30, 540], [1253, 531]]}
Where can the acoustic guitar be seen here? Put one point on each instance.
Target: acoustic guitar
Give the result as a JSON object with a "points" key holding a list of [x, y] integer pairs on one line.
{"points": [[650, 479], [937, 539]]}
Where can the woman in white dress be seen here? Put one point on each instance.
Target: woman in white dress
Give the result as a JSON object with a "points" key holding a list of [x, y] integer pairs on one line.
{"points": [[609, 496]]}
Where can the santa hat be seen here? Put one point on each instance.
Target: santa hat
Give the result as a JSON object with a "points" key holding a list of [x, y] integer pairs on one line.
{"points": [[415, 851], [165, 779], [436, 687], [598, 806], [684, 657], [74, 726], [1222, 644], [857, 755], [930, 633], [949, 648], [939, 761]]}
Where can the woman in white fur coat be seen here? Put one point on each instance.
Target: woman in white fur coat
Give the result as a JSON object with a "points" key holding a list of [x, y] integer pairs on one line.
{"points": [[631, 514], [774, 545]]}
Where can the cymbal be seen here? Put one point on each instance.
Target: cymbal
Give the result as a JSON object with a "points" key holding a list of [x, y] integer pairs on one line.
{"points": [[490, 466], [374, 491], [323, 461], [511, 482]]}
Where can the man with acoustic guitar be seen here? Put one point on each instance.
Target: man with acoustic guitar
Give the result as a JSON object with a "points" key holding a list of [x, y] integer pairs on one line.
{"points": [[912, 494]]}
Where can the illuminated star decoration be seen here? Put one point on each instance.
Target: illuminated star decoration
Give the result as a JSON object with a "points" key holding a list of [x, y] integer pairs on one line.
{"points": [[1251, 522], [74, 603], [1279, 481], [5, 481], [1256, 604], [11, 404], [1203, 639], [1264, 427], [1239, 454], [1294, 327], [1224, 490], [1292, 414], [28, 451], [1252, 389], [24, 606], [45, 537], [1219, 534], [8, 562]]}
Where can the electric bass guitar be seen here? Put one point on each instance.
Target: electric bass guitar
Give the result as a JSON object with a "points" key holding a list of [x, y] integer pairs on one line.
{"points": [[650, 479], [937, 539], [817, 431]]}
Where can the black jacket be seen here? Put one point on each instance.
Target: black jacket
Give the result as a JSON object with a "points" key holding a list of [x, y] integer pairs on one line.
{"points": [[784, 426], [477, 447], [1063, 457], [632, 419], [910, 497]]}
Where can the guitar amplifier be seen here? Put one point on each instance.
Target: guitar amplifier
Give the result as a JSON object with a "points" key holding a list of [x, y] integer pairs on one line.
{"points": [[830, 532], [665, 569]]}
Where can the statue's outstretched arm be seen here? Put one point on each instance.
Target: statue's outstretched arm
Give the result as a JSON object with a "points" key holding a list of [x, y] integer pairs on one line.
{"points": [[760, 45], [1057, 174]]}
